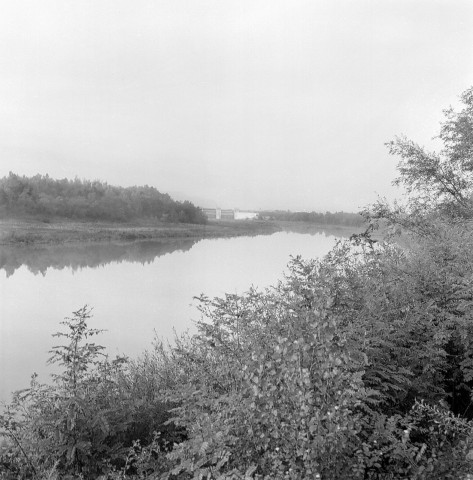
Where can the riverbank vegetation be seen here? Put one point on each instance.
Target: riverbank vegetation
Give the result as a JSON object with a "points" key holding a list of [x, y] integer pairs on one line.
{"points": [[347, 219], [39, 210], [33, 232], [23, 232], [355, 366]]}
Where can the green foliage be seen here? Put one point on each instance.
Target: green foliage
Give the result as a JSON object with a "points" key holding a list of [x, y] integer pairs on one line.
{"points": [[438, 184], [68, 422], [82, 422], [342, 370], [320, 375], [356, 366], [271, 389], [45, 197]]}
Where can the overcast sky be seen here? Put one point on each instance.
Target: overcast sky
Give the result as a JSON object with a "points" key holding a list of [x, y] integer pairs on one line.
{"points": [[237, 103]]}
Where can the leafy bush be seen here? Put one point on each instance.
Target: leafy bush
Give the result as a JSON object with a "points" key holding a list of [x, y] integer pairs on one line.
{"points": [[84, 420], [271, 389], [297, 381], [342, 370]]}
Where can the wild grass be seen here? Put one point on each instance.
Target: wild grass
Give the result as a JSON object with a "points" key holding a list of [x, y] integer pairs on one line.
{"points": [[27, 232]]}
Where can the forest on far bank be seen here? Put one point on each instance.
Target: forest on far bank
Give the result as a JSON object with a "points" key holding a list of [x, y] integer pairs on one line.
{"points": [[45, 198], [348, 219]]}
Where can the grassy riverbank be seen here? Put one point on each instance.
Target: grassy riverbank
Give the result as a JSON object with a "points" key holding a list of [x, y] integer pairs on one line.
{"points": [[26, 232], [36, 232]]}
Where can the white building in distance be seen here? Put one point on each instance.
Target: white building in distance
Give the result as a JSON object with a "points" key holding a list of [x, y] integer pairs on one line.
{"points": [[241, 215], [221, 214]]}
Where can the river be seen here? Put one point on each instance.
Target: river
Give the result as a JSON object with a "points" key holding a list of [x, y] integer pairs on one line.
{"points": [[137, 290]]}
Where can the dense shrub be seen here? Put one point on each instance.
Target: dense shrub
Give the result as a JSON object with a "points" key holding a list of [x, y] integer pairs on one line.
{"points": [[83, 421], [314, 377], [342, 370]]}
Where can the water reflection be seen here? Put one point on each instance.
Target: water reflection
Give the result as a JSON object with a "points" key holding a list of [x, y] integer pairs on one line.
{"points": [[39, 259], [331, 231]]}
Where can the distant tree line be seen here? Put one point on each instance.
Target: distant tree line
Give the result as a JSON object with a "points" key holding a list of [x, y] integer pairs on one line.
{"points": [[45, 197], [327, 218]]}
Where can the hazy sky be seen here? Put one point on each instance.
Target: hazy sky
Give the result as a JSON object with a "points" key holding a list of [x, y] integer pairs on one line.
{"points": [[240, 103]]}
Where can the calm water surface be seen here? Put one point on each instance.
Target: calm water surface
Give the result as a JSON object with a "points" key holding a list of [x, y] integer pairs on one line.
{"points": [[137, 290]]}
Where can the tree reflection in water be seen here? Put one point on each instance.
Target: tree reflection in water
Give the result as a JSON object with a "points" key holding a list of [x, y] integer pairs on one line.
{"points": [[38, 259]]}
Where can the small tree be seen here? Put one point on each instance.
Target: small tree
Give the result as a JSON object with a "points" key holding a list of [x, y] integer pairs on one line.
{"points": [[74, 423], [437, 183]]}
